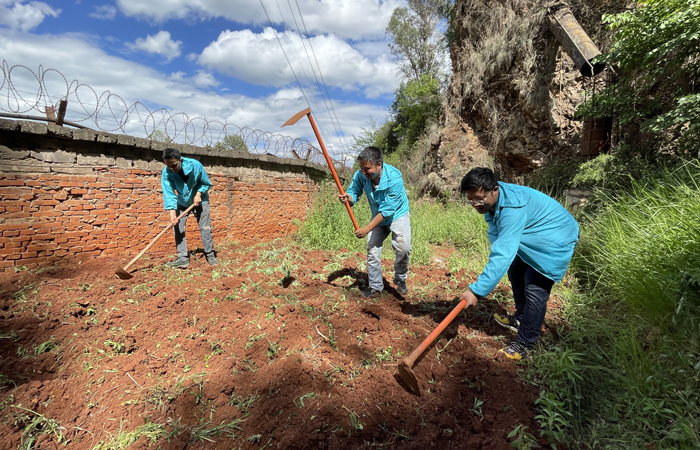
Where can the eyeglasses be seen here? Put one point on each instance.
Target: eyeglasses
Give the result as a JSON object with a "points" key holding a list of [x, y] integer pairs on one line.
{"points": [[480, 202]]}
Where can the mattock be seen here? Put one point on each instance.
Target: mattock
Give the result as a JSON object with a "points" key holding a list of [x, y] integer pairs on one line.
{"points": [[307, 112], [406, 364]]}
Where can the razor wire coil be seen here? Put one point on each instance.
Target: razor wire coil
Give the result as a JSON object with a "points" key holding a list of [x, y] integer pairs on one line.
{"points": [[110, 112]]}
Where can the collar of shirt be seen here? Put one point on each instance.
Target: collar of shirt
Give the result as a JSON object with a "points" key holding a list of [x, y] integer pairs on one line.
{"points": [[508, 197]]}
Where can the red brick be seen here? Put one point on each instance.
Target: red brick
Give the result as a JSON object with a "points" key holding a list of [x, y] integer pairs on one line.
{"points": [[14, 226], [83, 178], [40, 248], [45, 202], [75, 234], [46, 214], [7, 182], [70, 184], [78, 191]]}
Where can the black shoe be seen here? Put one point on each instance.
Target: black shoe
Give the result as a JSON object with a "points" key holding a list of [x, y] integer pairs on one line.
{"points": [[507, 321], [370, 293], [516, 351], [211, 259], [401, 287], [180, 263]]}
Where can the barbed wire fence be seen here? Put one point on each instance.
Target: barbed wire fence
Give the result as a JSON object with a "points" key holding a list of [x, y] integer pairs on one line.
{"points": [[48, 93]]}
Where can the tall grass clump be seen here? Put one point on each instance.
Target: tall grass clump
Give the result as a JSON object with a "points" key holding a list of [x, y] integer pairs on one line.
{"points": [[645, 244], [328, 227], [626, 375]]}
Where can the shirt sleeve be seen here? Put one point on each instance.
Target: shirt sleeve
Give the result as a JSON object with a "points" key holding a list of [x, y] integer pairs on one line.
{"points": [[203, 183], [169, 197], [504, 247], [355, 188], [392, 200]]}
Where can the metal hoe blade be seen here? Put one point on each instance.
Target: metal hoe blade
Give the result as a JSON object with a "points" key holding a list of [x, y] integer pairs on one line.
{"points": [[122, 274], [408, 377]]}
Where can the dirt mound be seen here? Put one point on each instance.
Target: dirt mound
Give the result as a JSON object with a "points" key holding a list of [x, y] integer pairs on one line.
{"points": [[273, 348]]}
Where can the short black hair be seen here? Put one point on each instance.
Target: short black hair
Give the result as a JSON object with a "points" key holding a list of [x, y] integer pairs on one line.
{"points": [[478, 177], [172, 153], [372, 154]]}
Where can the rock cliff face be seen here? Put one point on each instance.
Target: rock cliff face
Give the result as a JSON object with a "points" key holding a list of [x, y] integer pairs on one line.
{"points": [[514, 90]]}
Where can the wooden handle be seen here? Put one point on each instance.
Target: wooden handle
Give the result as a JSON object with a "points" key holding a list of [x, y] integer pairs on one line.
{"points": [[410, 359], [184, 213], [330, 165]]}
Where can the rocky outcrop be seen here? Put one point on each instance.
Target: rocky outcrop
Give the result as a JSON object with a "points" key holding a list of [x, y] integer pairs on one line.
{"points": [[514, 91]]}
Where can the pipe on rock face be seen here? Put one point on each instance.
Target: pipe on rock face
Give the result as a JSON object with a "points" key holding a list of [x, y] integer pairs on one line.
{"points": [[575, 41]]}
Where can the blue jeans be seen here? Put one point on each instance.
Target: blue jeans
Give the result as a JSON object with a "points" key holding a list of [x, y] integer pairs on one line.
{"points": [[400, 230], [201, 213], [531, 292]]}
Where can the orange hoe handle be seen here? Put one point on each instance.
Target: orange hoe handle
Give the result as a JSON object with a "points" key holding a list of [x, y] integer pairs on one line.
{"points": [[307, 113], [411, 359]]}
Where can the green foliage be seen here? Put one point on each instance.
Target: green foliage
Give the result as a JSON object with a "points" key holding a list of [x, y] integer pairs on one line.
{"points": [[232, 142], [35, 425], [328, 227], [416, 105], [656, 53], [553, 179], [160, 136], [625, 374], [522, 439], [381, 136], [640, 247], [417, 42]]}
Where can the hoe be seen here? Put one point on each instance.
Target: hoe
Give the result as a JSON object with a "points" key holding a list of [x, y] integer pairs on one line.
{"points": [[307, 112], [406, 364], [124, 273]]}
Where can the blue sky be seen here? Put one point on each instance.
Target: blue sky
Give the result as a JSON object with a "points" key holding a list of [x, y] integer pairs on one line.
{"points": [[217, 59]]}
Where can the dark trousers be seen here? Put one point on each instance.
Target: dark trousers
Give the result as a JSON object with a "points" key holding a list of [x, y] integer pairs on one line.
{"points": [[531, 292], [201, 213]]}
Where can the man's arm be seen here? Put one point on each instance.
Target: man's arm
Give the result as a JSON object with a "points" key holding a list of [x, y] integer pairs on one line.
{"points": [[202, 182], [376, 220], [354, 191], [511, 225], [169, 197]]}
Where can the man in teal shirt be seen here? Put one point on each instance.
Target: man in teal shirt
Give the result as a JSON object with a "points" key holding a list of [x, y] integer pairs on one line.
{"points": [[185, 182], [532, 239], [385, 191]]}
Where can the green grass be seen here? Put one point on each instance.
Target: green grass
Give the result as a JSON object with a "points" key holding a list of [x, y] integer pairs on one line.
{"points": [[328, 227], [627, 373]]}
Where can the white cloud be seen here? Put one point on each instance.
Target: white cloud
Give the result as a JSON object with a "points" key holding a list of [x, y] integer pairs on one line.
{"points": [[24, 17], [134, 82], [204, 79], [160, 44], [104, 12], [258, 59], [357, 19]]}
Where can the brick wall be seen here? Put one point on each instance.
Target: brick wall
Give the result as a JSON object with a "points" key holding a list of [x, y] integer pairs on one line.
{"points": [[75, 194]]}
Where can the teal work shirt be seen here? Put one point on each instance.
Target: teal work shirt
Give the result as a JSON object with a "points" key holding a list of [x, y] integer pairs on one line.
{"points": [[389, 198], [176, 191], [531, 225]]}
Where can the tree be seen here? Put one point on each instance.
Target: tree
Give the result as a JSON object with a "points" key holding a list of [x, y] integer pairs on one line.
{"points": [[416, 105], [417, 42], [381, 136], [159, 135], [656, 56], [232, 142]]}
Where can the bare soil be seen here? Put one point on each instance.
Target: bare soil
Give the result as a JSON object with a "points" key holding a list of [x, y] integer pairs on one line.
{"points": [[273, 348]]}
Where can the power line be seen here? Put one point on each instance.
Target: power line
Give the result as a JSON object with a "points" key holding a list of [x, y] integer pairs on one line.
{"points": [[306, 32]]}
